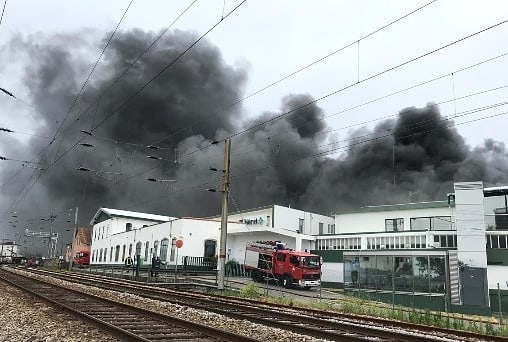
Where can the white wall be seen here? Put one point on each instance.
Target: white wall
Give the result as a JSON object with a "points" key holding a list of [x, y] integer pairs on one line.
{"points": [[263, 213], [497, 274], [471, 246], [333, 272], [368, 222], [288, 218]]}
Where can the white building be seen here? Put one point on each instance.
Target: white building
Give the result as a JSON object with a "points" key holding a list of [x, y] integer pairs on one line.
{"points": [[118, 233], [8, 251], [449, 253]]}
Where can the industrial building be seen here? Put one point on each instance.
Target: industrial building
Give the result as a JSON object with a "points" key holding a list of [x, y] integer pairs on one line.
{"points": [[448, 255]]}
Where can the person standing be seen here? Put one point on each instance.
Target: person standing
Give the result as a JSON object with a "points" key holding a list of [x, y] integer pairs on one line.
{"points": [[129, 263]]}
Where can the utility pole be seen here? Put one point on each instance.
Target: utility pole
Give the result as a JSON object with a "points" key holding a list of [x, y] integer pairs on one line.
{"points": [[51, 246], [71, 257], [224, 216]]}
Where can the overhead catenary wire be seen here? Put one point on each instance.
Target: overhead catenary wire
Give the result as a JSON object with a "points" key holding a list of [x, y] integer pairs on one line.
{"points": [[46, 148], [91, 71], [354, 145], [3, 11], [165, 68], [366, 79], [417, 85], [233, 104], [131, 65], [23, 193]]}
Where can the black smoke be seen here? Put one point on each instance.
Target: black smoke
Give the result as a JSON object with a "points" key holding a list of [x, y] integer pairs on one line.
{"points": [[289, 160]]}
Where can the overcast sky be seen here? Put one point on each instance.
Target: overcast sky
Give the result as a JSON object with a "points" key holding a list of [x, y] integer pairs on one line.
{"points": [[275, 38], [272, 39]]}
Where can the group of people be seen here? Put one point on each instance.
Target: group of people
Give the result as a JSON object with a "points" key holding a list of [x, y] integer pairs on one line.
{"points": [[156, 264]]}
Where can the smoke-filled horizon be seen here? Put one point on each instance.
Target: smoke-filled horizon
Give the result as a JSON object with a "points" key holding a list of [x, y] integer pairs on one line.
{"points": [[417, 155]]}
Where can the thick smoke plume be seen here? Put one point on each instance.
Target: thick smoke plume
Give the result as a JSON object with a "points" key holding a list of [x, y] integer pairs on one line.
{"points": [[282, 162]]}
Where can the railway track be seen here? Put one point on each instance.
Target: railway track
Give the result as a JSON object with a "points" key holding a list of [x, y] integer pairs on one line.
{"points": [[323, 325], [125, 322]]}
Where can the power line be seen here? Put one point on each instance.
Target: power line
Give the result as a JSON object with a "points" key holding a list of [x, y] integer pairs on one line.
{"points": [[129, 99], [308, 65], [165, 68], [131, 65], [3, 10], [371, 77], [46, 149], [360, 143], [91, 71], [368, 79]]}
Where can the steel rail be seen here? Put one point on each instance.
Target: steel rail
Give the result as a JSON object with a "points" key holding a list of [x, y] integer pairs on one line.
{"points": [[123, 321], [305, 321]]}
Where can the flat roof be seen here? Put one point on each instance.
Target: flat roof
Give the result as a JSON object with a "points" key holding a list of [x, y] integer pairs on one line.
{"points": [[495, 191], [402, 206]]}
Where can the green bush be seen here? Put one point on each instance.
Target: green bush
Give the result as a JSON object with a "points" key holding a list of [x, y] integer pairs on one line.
{"points": [[249, 291]]}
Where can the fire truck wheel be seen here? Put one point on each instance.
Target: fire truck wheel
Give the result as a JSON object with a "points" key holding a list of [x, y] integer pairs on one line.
{"points": [[288, 282]]}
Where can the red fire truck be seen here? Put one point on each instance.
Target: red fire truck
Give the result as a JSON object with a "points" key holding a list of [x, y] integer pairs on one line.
{"points": [[272, 260], [81, 259]]}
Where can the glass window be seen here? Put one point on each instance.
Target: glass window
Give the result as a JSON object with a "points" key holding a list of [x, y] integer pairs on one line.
{"points": [[281, 257], [421, 273], [394, 225], [367, 272], [130, 249], [100, 254], [173, 250], [320, 228], [138, 248], [300, 225], [441, 223], [164, 249], [268, 222], [111, 255], [123, 252], [155, 248], [502, 241], [437, 274], [403, 269], [117, 252], [332, 229], [420, 223], [128, 227], [384, 272], [351, 271], [147, 249]]}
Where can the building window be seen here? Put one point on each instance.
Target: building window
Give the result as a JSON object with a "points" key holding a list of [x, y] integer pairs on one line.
{"points": [[111, 255], [268, 222], [420, 223], [123, 252], [147, 249], [164, 249], [173, 249], [394, 225], [117, 252], [432, 223], [155, 248], [300, 225], [331, 229], [128, 227], [210, 248], [130, 250], [441, 223], [320, 228], [100, 254], [138, 248]]}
